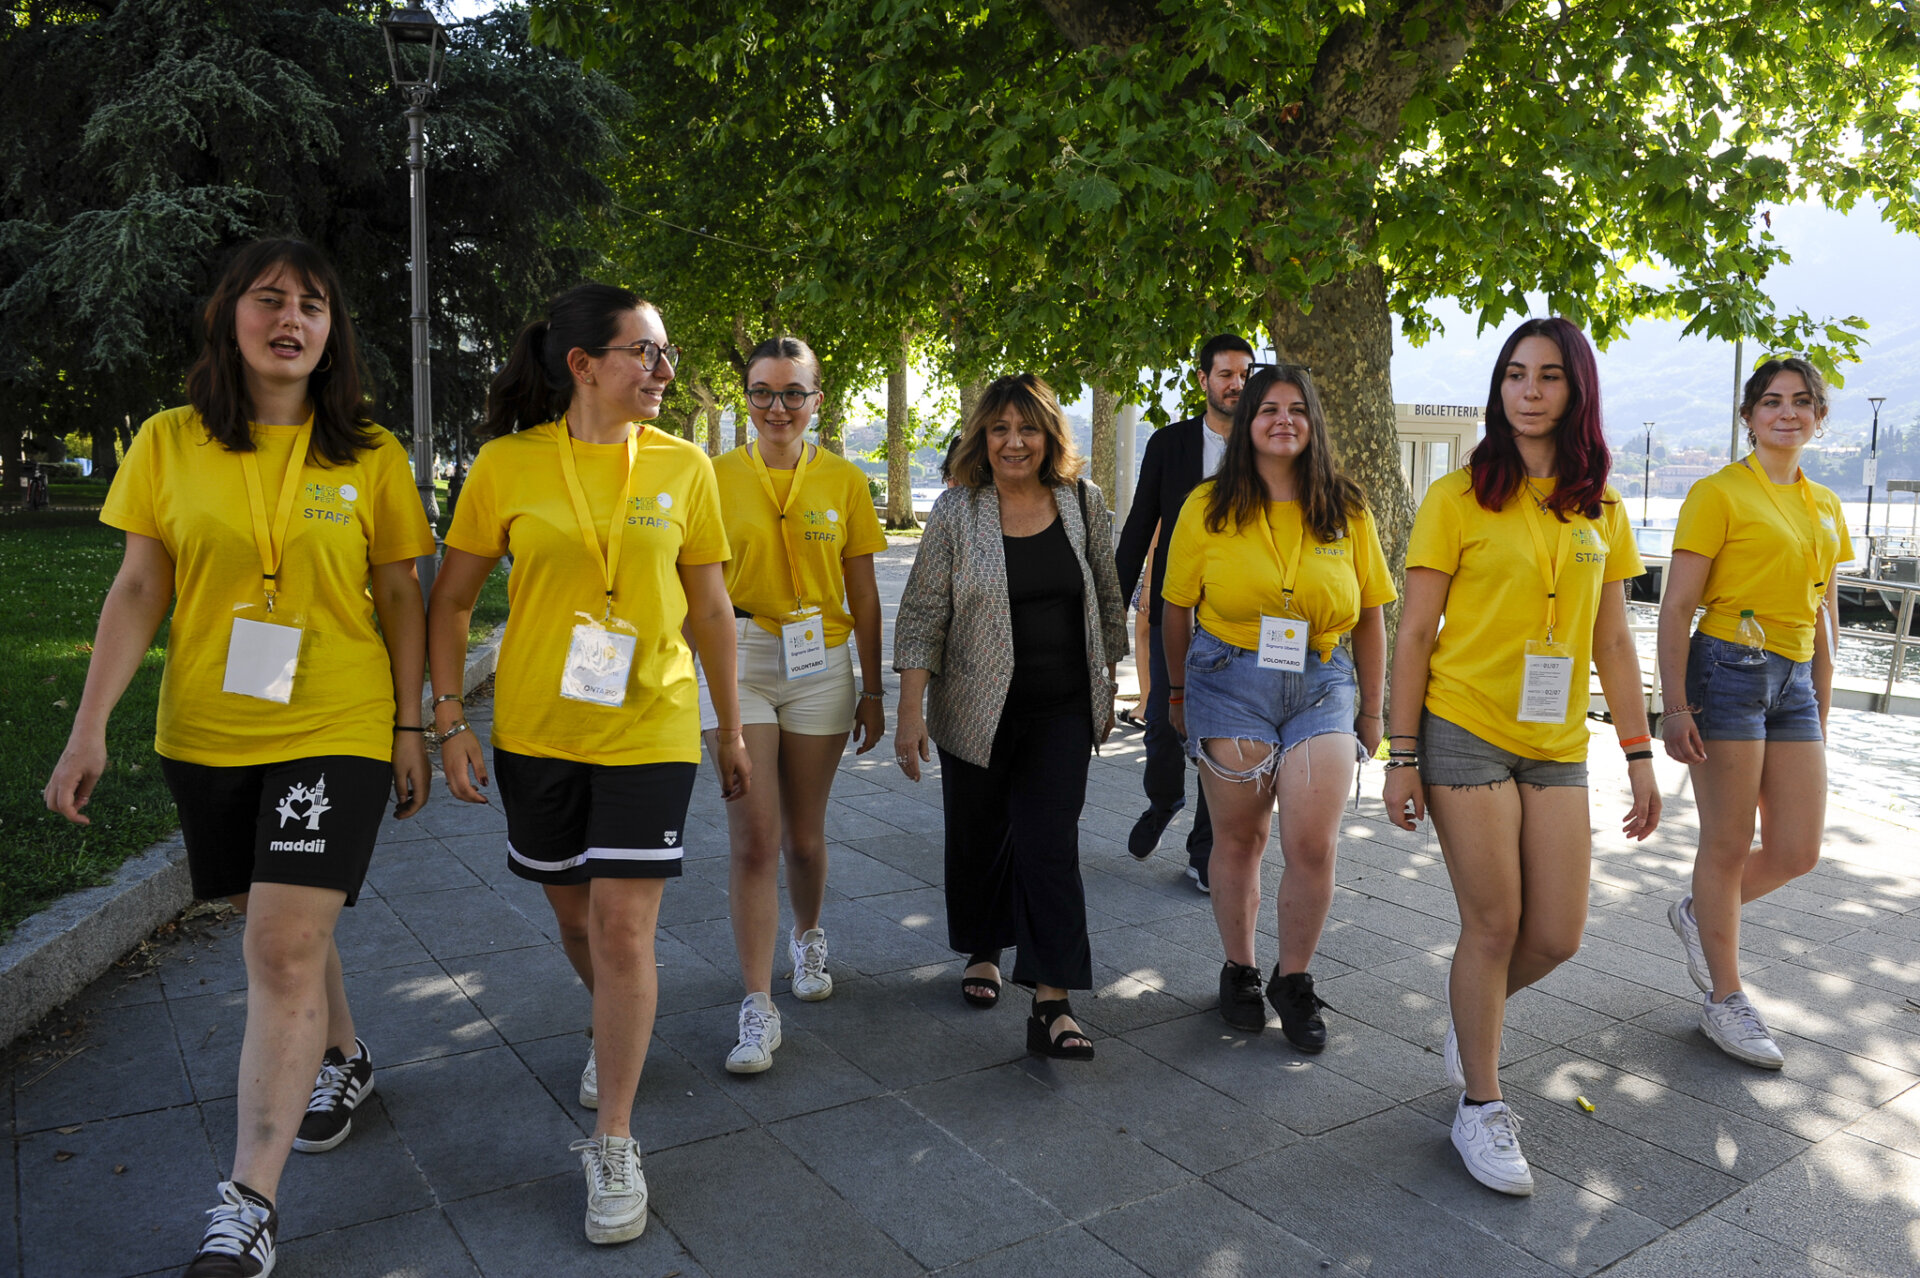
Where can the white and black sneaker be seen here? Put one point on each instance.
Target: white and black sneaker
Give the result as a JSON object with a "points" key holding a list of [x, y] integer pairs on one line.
{"points": [[811, 980], [759, 1035], [239, 1241], [1736, 1028], [1488, 1138], [1680, 916], [344, 1082], [590, 1081], [616, 1188]]}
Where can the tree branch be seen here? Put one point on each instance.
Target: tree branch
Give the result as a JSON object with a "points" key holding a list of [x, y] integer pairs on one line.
{"points": [[1088, 24]]}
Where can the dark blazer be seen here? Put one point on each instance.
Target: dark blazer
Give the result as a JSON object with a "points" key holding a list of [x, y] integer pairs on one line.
{"points": [[1168, 472]]}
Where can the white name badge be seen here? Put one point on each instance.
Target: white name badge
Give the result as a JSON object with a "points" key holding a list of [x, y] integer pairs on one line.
{"points": [[598, 663], [1546, 683], [803, 646], [261, 660], [1283, 643]]}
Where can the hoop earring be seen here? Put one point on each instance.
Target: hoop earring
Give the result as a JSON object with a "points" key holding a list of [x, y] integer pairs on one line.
{"points": [[1820, 431], [329, 364]]}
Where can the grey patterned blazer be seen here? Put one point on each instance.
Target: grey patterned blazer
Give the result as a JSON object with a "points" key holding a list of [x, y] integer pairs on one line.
{"points": [[955, 621]]}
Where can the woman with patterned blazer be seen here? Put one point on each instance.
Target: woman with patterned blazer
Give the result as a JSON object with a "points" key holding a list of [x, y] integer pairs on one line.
{"points": [[1010, 628]]}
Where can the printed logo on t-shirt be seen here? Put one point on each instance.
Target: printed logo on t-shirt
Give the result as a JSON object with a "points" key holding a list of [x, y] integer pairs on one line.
{"points": [[316, 806], [672, 837], [330, 503], [1587, 537], [650, 512], [822, 525]]}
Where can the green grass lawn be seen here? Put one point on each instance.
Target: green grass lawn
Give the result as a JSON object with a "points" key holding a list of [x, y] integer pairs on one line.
{"points": [[54, 572]]}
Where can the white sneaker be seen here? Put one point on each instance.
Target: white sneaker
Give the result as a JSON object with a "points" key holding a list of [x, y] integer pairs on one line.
{"points": [[759, 1035], [811, 980], [1680, 914], [1456, 1072], [1735, 1027], [590, 1081], [1488, 1138], [616, 1189]]}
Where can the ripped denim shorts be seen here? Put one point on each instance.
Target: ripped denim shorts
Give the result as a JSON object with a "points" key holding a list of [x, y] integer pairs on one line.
{"points": [[1229, 695]]}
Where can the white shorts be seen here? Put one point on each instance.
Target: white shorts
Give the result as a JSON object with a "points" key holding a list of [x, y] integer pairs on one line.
{"points": [[816, 705]]}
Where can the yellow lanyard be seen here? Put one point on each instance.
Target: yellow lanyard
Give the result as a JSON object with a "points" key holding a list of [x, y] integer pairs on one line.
{"points": [[781, 509], [1289, 568], [272, 542], [1551, 566], [609, 560], [1807, 545]]}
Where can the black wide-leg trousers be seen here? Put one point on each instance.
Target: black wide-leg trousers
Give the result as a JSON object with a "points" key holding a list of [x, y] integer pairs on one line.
{"points": [[1013, 849]]}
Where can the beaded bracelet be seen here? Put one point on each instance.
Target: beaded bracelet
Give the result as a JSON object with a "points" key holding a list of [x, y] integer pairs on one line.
{"points": [[1673, 710], [872, 696]]}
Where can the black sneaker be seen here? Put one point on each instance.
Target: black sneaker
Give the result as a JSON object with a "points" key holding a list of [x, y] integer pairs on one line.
{"points": [[1147, 831], [1197, 871], [239, 1242], [1299, 1007], [1240, 1004], [342, 1085]]}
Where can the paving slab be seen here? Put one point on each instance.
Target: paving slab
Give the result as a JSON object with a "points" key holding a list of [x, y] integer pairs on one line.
{"points": [[1847, 1202], [1195, 1231], [536, 1228]]}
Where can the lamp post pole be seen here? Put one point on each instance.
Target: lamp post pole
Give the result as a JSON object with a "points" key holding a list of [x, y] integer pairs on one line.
{"points": [[417, 321], [1872, 470], [1646, 476], [416, 73]]}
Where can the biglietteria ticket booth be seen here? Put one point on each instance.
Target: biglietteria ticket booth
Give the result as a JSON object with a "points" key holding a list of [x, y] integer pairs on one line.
{"points": [[1434, 439]]}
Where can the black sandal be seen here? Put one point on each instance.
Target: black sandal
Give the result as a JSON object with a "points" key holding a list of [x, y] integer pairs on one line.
{"points": [[1043, 1042], [991, 999]]}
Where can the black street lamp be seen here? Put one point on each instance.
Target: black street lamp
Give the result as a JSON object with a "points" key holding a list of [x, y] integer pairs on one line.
{"points": [[1872, 471], [1646, 476], [416, 51]]}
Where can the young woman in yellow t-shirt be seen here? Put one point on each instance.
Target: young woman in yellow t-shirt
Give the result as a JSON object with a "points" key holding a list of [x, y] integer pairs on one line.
{"points": [[803, 532], [616, 538], [1757, 546], [271, 513], [1524, 554], [1280, 558]]}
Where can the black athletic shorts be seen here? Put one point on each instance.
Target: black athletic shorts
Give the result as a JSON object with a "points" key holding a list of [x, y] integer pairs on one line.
{"points": [[310, 822], [572, 822]]}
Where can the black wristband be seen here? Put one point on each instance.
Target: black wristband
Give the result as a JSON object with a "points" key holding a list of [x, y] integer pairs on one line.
{"points": [[401, 727], [1638, 754]]}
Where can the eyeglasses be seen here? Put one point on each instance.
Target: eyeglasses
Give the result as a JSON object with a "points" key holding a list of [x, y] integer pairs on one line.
{"points": [[648, 353], [762, 397]]}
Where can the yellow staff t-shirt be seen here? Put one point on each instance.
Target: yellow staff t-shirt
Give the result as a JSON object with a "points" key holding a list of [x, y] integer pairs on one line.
{"points": [[1234, 580], [516, 501], [829, 520], [1496, 603], [1759, 551], [185, 491]]}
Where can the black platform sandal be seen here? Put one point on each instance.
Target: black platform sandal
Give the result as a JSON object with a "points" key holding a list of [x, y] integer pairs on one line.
{"points": [[991, 999], [1043, 1042]]}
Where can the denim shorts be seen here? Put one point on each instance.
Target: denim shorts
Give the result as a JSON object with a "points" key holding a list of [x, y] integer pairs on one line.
{"points": [[1230, 696], [1743, 699], [1452, 756]]}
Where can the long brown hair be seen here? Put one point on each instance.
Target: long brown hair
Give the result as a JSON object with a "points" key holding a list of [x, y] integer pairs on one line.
{"points": [[1038, 406], [1328, 499], [217, 382]]}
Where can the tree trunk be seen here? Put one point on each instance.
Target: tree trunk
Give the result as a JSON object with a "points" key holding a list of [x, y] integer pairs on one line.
{"points": [[833, 421], [708, 412], [970, 393], [741, 422], [1347, 341], [899, 452], [11, 468], [1106, 405], [105, 460]]}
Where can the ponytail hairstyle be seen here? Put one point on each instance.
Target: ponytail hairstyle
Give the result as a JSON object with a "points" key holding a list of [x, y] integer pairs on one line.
{"points": [[1328, 499], [217, 382], [1762, 381], [536, 385], [1582, 458], [784, 348]]}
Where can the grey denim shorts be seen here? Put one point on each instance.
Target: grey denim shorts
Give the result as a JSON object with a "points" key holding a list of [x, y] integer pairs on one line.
{"points": [[1452, 756]]}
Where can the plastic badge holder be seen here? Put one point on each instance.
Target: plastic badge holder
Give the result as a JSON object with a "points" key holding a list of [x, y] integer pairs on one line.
{"points": [[263, 656], [803, 645], [1283, 643], [1546, 684], [599, 661]]}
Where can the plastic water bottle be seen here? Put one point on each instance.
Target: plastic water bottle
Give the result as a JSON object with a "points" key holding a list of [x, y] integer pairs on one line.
{"points": [[1753, 639]]}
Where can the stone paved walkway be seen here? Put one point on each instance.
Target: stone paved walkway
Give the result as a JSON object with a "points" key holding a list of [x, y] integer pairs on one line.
{"points": [[901, 1132]]}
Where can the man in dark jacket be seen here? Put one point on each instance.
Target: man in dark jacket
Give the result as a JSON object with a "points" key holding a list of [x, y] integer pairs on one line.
{"points": [[1178, 457]]}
